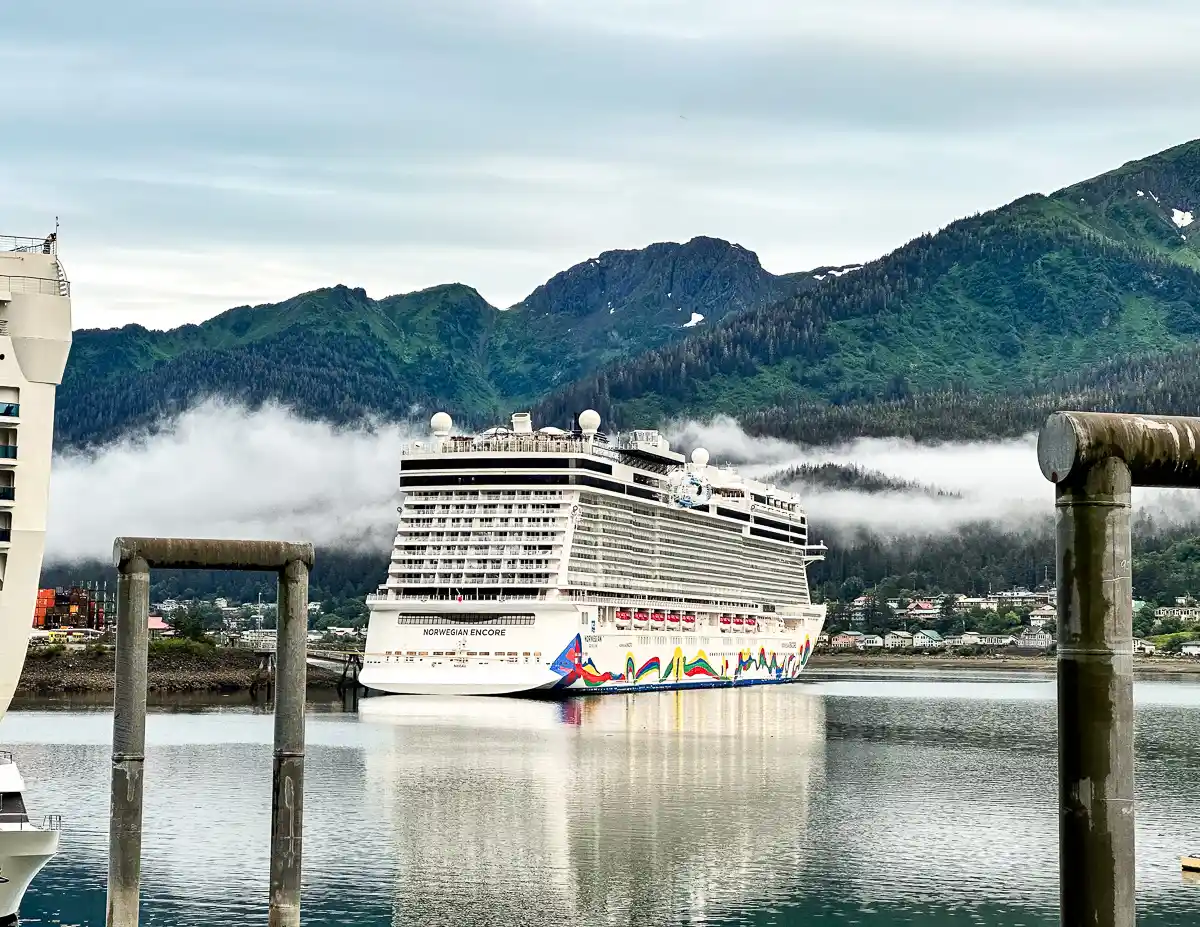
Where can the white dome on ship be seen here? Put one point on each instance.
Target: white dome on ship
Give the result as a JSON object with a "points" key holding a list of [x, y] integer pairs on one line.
{"points": [[589, 421], [441, 423], [551, 430], [700, 457]]}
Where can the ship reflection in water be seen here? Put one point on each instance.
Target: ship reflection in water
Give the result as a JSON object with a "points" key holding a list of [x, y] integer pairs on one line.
{"points": [[834, 801], [667, 806]]}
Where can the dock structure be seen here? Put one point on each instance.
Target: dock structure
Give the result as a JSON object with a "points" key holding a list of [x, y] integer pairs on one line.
{"points": [[134, 558], [1094, 459]]}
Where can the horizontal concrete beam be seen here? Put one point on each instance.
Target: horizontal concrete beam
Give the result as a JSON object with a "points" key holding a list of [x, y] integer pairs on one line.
{"points": [[201, 554], [1159, 450]]}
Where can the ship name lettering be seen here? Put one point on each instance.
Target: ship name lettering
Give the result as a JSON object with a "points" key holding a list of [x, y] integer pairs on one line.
{"points": [[465, 632]]}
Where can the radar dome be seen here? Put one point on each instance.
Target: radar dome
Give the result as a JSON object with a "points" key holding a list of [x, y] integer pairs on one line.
{"points": [[700, 457], [441, 423], [589, 421]]}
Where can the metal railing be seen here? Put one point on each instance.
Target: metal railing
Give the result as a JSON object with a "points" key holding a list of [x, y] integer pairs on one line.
{"points": [[28, 245], [42, 286]]}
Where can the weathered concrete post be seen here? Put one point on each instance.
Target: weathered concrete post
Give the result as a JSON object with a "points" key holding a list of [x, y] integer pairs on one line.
{"points": [[287, 788], [129, 743], [134, 558], [1095, 459]]}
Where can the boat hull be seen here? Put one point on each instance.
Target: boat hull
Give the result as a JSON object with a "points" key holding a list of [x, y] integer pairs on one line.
{"points": [[23, 853], [558, 653]]}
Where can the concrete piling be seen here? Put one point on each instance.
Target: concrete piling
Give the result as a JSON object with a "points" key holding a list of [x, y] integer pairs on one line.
{"points": [[134, 558], [1094, 459], [129, 744], [287, 790]]}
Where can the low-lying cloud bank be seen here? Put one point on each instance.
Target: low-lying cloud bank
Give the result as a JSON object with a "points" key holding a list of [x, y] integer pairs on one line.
{"points": [[994, 481], [219, 470]]}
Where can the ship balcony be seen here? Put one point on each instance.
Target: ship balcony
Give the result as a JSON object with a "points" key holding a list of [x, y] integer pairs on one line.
{"points": [[8, 452], [5, 535], [10, 410], [8, 494]]}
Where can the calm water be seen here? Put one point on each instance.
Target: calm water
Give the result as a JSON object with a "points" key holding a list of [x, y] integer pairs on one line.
{"points": [[889, 800]]}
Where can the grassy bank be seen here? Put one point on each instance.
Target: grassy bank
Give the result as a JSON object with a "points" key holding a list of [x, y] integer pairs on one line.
{"points": [[174, 666]]}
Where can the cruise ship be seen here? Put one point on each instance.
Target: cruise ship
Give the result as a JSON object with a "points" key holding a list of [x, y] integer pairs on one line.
{"points": [[35, 338], [553, 562]]}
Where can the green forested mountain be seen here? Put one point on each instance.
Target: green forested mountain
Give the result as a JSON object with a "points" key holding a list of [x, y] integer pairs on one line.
{"points": [[336, 353], [1027, 299]]}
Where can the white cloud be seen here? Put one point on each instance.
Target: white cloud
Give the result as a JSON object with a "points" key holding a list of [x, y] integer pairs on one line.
{"points": [[218, 471], [997, 481], [221, 471]]}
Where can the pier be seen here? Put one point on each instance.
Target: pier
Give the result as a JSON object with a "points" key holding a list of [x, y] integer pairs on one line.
{"points": [[134, 558]]}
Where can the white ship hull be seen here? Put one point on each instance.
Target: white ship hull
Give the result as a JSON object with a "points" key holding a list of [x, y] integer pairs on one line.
{"points": [[560, 654], [23, 853]]}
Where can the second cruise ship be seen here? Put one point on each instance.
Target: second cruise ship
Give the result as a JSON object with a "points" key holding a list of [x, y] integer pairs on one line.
{"points": [[35, 338], [552, 561]]}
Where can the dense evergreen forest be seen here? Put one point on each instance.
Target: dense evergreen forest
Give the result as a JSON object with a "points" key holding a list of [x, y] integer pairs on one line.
{"points": [[1088, 298], [338, 355]]}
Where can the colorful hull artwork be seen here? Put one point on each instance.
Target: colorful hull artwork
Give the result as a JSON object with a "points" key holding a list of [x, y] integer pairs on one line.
{"points": [[576, 671]]}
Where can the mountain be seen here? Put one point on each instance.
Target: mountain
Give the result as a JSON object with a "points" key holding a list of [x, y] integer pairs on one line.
{"points": [[336, 353], [1018, 301]]}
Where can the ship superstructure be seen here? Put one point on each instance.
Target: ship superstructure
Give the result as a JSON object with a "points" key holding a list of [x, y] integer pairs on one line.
{"points": [[548, 560], [35, 338]]}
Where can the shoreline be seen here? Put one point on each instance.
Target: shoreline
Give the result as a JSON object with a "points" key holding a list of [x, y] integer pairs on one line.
{"points": [[217, 670], [1143, 666]]}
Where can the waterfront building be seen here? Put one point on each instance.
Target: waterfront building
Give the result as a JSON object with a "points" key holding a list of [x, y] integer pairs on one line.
{"points": [[870, 642], [846, 640], [1042, 616], [898, 640], [1143, 647], [1191, 649], [1035, 638], [927, 639], [1188, 614]]}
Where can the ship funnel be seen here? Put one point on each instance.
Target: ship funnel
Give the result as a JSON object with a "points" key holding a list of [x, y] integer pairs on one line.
{"points": [[522, 423]]}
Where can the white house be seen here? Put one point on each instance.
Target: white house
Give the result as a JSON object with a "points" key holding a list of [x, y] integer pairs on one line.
{"points": [[870, 642], [1191, 650], [1141, 646], [1035, 637], [1040, 617], [996, 640], [1188, 614], [927, 639], [898, 640]]}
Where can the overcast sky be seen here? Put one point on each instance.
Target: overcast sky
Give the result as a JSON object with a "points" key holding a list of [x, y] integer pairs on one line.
{"points": [[208, 154]]}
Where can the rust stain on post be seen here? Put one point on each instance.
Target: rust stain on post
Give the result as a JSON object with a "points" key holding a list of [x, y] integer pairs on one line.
{"points": [[207, 554], [1159, 450]]}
